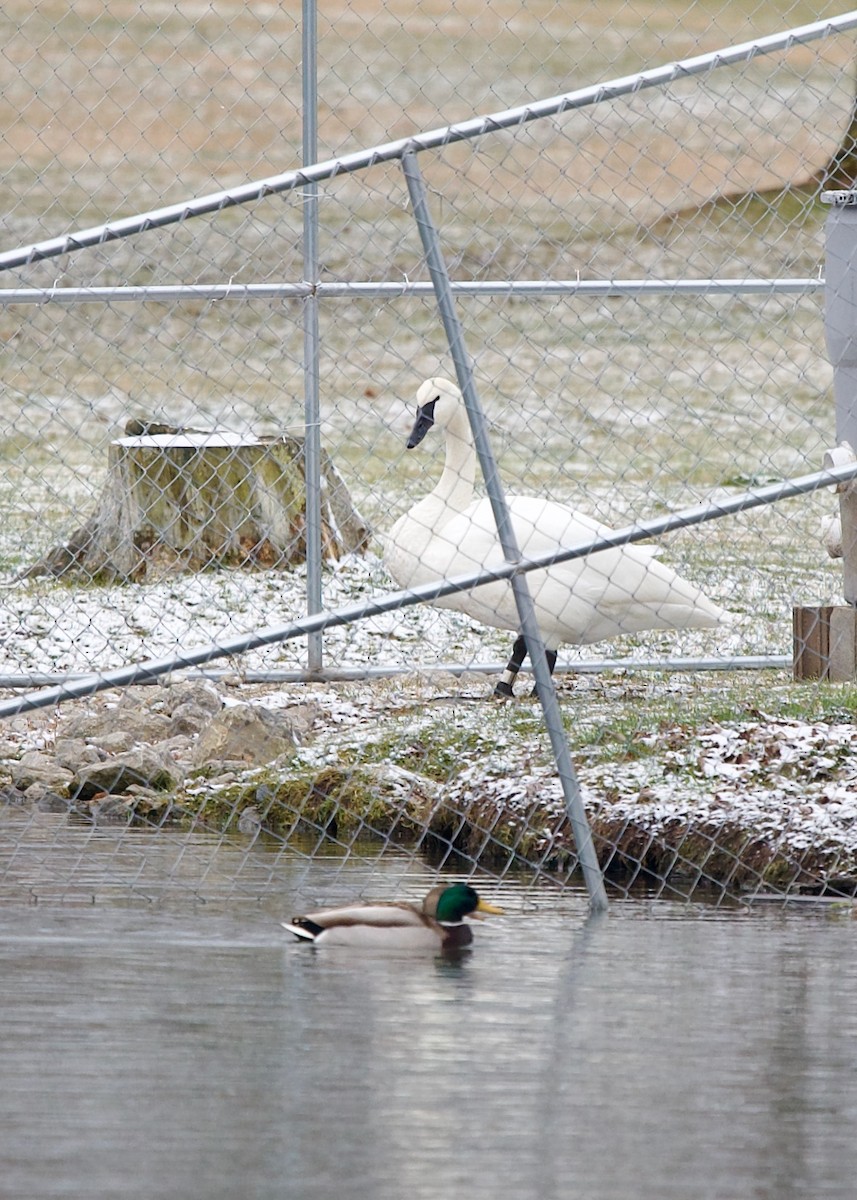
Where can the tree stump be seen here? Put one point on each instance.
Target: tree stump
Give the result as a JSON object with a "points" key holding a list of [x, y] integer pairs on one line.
{"points": [[183, 499]]}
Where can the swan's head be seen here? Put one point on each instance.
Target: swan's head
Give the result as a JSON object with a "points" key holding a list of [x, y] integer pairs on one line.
{"points": [[438, 403]]}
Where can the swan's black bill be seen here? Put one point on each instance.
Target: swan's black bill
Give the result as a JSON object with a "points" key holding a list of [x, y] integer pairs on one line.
{"points": [[423, 423]]}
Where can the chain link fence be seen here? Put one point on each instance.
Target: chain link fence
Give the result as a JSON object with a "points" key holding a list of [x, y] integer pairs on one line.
{"points": [[638, 276]]}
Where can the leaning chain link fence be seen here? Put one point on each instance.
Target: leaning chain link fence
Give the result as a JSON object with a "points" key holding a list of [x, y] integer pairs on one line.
{"points": [[638, 277]]}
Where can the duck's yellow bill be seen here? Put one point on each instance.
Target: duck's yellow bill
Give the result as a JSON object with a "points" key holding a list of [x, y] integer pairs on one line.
{"points": [[484, 906]]}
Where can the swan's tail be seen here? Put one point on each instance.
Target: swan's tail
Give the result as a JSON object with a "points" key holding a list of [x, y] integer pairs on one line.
{"points": [[702, 614]]}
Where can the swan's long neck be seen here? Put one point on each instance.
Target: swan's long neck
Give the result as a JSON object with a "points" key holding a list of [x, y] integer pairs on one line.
{"points": [[454, 489]]}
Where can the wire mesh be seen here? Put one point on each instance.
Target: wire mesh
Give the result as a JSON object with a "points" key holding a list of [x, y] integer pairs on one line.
{"points": [[624, 405]]}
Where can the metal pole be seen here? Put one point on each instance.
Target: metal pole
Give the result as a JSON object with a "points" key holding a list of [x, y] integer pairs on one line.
{"points": [[505, 530], [539, 288], [312, 436]]}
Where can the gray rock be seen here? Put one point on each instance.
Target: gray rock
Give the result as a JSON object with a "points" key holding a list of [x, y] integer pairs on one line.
{"points": [[199, 695], [247, 734], [180, 749], [249, 821], [110, 810], [188, 719], [45, 800], [141, 725], [146, 745], [72, 753], [223, 779], [148, 767], [301, 718], [34, 766], [139, 792], [120, 741]]}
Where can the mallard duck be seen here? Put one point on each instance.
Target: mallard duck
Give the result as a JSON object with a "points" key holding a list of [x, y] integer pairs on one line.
{"points": [[438, 923], [615, 591]]}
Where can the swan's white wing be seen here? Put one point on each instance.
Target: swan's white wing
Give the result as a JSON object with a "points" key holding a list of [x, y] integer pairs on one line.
{"points": [[469, 543], [583, 600]]}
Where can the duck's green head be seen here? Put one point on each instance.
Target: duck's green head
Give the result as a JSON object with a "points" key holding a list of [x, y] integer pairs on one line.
{"points": [[452, 904]]}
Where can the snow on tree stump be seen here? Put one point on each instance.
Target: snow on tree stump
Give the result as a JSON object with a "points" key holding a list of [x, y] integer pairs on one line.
{"points": [[182, 499]]}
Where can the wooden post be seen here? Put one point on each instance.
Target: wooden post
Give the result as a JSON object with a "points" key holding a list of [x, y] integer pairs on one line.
{"points": [[825, 642], [811, 631]]}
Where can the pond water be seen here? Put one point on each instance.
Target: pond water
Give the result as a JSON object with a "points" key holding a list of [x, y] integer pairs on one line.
{"points": [[182, 1048]]}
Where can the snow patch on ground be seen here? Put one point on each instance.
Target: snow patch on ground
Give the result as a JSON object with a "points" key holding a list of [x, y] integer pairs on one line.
{"points": [[46, 627]]}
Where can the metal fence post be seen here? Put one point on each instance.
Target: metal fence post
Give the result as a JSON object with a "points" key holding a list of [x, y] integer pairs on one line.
{"points": [[526, 610], [840, 314], [312, 432]]}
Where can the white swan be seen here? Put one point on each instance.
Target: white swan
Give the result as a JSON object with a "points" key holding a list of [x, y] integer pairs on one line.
{"points": [[622, 590]]}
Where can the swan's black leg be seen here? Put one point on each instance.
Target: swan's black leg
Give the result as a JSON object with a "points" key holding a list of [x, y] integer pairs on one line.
{"points": [[551, 656], [519, 653]]}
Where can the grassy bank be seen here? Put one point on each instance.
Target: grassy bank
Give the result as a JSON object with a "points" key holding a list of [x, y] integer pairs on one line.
{"points": [[732, 787]]}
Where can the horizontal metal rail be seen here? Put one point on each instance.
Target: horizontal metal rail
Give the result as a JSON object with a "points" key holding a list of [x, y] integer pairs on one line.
{"points": [[170, 293], [433, 139], [591, 666], [426, 593]]}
